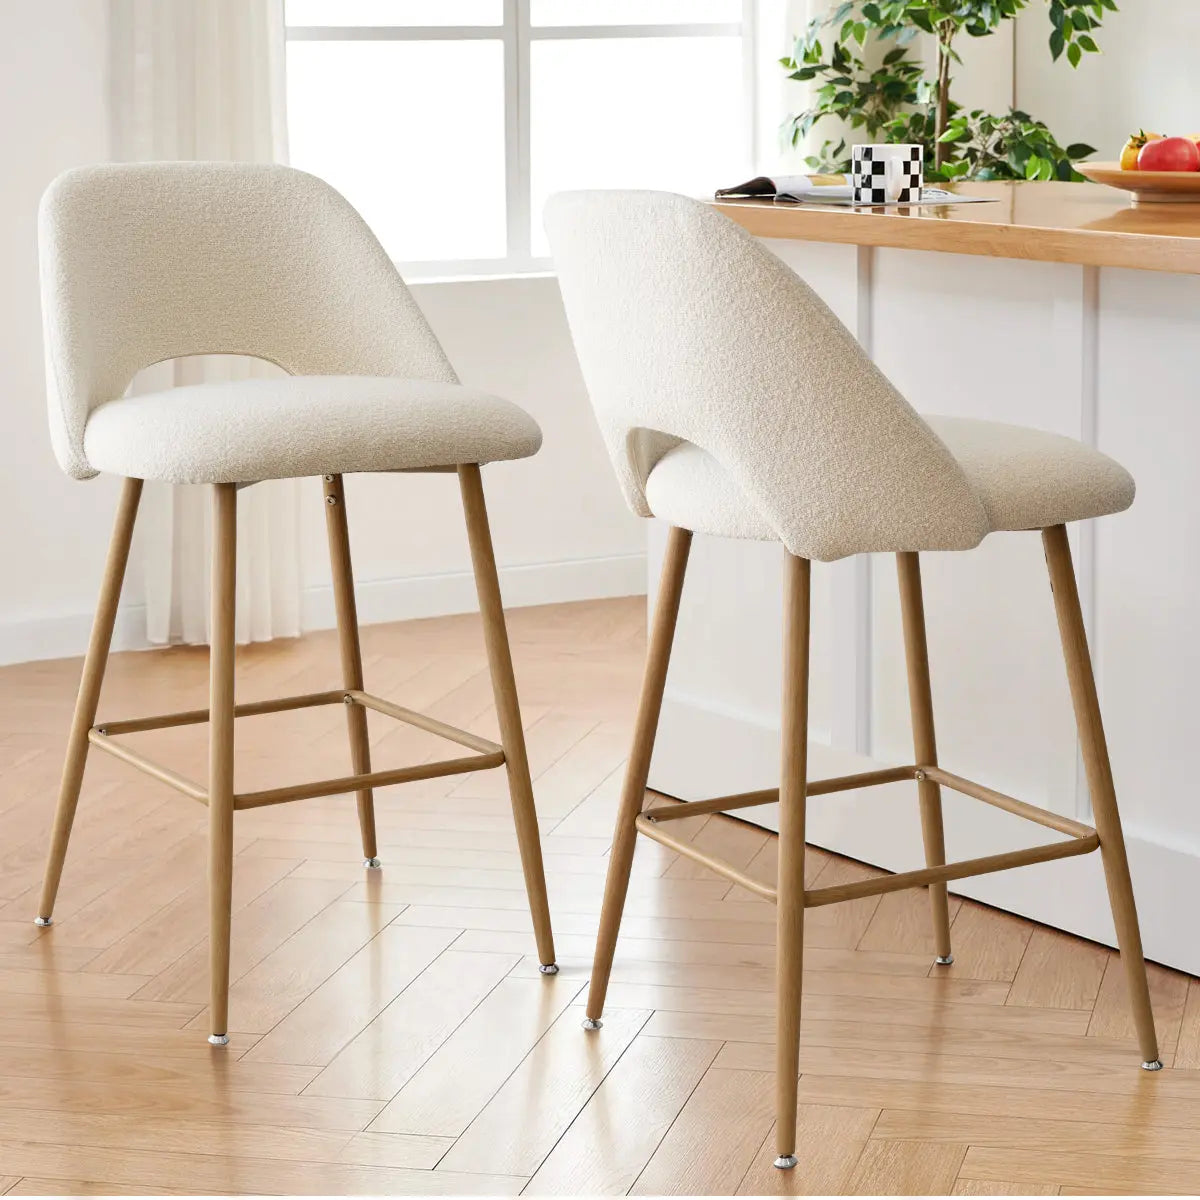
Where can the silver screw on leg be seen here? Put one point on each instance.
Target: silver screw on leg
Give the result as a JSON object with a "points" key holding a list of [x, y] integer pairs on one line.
{"points": [[589, 1023], [944, 960], [218, 1039], [43, 921], [1153, 1065], [785, 1162], [548, 968], [373, 863]]}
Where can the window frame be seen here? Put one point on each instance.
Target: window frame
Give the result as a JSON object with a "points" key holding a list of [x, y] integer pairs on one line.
{"points": [[517, 34]]}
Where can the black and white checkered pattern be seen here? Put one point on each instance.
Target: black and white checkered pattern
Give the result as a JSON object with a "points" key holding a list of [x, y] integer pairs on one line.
{"points": [[868, 177]]}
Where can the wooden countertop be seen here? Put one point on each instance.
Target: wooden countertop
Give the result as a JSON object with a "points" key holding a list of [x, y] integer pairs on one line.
{"points": [[1082, 223]]}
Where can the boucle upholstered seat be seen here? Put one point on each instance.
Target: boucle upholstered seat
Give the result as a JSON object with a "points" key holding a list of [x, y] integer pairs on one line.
{"points": [[303, 425], [1025, 479], [735, 403], [146, 263]]}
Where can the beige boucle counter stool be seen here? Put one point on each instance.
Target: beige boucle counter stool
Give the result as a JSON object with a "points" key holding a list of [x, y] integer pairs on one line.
{"points": [[145, 263], [734, 403]]}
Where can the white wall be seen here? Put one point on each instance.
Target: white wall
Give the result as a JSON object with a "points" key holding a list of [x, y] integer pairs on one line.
{"points": [[52, 116], [1147, 76], [561, 529]]}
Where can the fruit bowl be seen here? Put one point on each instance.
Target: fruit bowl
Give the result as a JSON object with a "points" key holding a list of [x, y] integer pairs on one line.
{"points": [[1148, 187]]}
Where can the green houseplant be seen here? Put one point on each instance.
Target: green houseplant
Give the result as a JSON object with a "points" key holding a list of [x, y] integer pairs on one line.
{"points": [[861, 58]]}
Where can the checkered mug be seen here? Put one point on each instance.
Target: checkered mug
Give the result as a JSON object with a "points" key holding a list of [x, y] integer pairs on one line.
{"points": [[887, 174]]}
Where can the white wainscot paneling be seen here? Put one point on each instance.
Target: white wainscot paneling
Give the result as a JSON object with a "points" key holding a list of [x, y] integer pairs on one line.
{"points": [[1148, 568], [998, 340]]}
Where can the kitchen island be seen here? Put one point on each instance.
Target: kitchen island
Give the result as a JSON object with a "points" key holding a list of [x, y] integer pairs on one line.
{"points": [[1059, 306]]}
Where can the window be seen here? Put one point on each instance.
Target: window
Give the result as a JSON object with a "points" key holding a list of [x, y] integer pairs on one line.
{"points": [[448, 123]]}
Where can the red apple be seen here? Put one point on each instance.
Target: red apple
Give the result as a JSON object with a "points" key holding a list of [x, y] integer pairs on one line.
{"points": [[1169, 154]]}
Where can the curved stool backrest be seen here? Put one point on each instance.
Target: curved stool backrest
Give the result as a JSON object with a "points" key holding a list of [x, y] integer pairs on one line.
{"points": [[147, 262], [688, 330]]}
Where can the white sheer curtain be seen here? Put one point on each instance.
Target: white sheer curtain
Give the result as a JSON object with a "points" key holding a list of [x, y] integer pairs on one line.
{"points": [[203, 79]]}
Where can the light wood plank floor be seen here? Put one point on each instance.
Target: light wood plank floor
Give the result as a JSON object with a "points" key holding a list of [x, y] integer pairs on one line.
{"points": [[391, 1033]]}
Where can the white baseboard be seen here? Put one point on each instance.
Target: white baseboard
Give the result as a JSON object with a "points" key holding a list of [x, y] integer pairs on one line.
{"points": [[701, 753], [31, 639], [407, 599], [403, 599]]}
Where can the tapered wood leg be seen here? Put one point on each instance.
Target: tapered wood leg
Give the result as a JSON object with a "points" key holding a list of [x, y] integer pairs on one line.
{"points": [[920, 700], [220, 753], [789, 947], [1100, 785], [508, 710], [352, 669], [89, 694], [633, 792]]}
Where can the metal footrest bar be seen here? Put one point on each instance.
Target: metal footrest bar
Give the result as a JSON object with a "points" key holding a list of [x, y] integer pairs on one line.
{"points": [[371, 779], [199, 716], [180, 783], [430, 724], [959, 870], [719, 865], [487, 753], [1040, 816], [817, 787], [1082, 839]]}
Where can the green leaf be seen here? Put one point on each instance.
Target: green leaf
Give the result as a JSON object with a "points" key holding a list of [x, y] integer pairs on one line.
{"points": [[869, 85]]}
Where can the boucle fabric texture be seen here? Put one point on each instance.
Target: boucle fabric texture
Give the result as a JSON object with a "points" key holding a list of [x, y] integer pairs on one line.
{"points": [[734, 402], [146, 262], [1025, 478], [306, 425], [1029, 479]]}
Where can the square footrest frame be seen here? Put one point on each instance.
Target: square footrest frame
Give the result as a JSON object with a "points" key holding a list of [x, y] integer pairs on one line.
{"points": [[486, 754], [1081, 839]]}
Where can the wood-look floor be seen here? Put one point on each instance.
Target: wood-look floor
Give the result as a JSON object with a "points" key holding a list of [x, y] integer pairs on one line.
{"points": [[390, 1030]]}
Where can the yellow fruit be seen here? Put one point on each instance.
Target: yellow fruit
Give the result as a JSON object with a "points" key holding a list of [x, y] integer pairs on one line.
{"points": [[1131, 149]]}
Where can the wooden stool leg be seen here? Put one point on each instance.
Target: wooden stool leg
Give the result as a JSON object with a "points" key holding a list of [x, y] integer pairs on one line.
{"points": [[508, 710], [789, 949], [352, 669], [220, 754], [920, 700], [633, 792], [1100, 786], [89, 694]]}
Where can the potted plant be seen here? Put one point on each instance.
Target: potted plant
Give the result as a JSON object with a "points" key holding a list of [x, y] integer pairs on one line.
{"points": [[860, 56]]}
